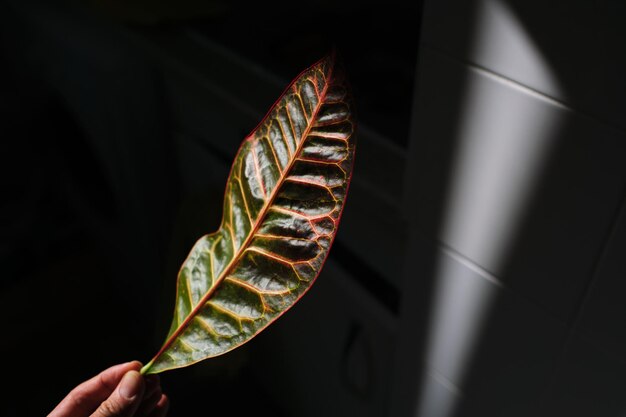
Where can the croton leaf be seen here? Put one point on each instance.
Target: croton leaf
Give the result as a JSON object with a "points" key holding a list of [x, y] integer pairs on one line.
{"points": [[282, 206]]}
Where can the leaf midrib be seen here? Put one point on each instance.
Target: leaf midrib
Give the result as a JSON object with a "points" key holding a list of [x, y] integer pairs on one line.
{"points": [[262, 213]]}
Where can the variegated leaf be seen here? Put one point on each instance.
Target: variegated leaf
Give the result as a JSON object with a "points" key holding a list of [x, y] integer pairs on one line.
{"points": [[282, 206]]}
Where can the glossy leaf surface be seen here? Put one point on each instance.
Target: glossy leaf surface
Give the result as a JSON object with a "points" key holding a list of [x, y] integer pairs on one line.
{"points": [[282, 205]]}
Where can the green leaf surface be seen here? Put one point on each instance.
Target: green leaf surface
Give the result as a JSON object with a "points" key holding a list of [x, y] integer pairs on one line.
{"points": [[282, 206]]}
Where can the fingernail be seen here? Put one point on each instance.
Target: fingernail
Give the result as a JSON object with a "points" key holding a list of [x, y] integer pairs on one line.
{"points": [[130, 385]]}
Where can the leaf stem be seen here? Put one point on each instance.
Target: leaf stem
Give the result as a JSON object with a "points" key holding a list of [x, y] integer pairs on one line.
{"points": [[146, 367]]}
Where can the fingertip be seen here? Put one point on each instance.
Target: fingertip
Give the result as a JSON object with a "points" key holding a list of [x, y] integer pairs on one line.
{"points": [[132, 385], [160, 410], [164, 402], [111, 377]]}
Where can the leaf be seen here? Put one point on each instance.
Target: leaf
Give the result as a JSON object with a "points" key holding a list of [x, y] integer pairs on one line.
{"points": [[282, 206]]}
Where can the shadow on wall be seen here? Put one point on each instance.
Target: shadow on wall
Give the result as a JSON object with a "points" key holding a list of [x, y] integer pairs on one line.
{"points": [[508, 187], [87, 202]]}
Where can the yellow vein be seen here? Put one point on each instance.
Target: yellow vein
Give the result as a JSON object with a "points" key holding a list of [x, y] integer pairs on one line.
{"points": [[306, 117], [234, 259], [243, 195], [189, 295], [257, 170], [284, 130], [230, 313], [319, 161], [269, 254], [293, 128], [344, 137], [266, 236], [269, 143], [211, 255], [282, 134], [205, 325], [251, 287], [309, 182]]}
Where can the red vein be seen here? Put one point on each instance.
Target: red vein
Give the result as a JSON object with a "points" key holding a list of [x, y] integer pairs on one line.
{"points": [[271, 255], [266, 236], [299, 213], [308, 182], [331, 135], [268, 204], [251, 287], [330, 122], [320, 161]]}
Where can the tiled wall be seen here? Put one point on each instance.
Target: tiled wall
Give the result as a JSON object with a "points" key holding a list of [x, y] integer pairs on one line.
{"points": [[509, 272], [515, 277]]}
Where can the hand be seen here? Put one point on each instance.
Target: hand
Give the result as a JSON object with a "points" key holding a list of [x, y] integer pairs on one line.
{"points": [[119, 391]]}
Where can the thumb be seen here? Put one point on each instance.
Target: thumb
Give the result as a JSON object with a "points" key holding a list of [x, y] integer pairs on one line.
{"points": [[125, 399]]}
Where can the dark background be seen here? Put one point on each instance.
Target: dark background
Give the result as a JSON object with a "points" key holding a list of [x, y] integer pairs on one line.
{"points": [[97, 213], [119, 120]]}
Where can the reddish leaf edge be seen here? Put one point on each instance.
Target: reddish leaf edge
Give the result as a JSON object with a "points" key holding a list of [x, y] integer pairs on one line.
{"points": [[332, 57]]}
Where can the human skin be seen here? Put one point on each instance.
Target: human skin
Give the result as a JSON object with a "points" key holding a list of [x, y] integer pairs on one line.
{"points": [[119, 391]]}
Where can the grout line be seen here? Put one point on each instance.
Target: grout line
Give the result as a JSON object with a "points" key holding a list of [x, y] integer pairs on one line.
{"points": [[619, 213], [509, 82], [571, 332], [472, 66], [497, 77], [485, 274], [462, 259], [603, 253], [449, 385]]}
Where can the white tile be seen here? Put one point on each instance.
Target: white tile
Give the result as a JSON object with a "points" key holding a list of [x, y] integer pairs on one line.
{"points": [[487, 341], [511, 180], [438, 398], [568, 50], [492, 349]]}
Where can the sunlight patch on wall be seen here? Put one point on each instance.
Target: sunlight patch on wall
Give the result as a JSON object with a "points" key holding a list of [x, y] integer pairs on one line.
{"points": [[503, 141]]}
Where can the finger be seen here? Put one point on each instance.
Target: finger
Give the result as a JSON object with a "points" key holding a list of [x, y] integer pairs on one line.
{"points": [[149, 402], [86, 397], [161, 408], [125, 399], [153, 383]]}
